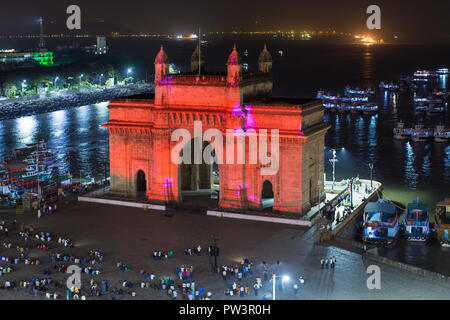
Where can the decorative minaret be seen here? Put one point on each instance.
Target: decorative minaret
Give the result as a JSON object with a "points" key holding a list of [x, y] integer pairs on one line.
{"points": [[161, 66], [41, 34], [195, 60], [234, 68], [265, 61]]}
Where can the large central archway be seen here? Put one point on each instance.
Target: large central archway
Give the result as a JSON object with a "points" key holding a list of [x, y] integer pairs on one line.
{"points": [[198, 183]]}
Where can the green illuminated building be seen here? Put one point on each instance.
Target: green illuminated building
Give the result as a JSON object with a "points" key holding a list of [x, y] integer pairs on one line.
{"points": [[43, 58]]}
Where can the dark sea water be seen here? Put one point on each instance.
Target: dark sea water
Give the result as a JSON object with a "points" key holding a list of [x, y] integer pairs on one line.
{"points": [[407, 170]]}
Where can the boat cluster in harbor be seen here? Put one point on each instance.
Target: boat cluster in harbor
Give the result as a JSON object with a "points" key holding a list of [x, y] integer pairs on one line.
{"points": [[382, 225], [354, 100], [419, 133], [381, 222], [412, 82], [432, 104]]}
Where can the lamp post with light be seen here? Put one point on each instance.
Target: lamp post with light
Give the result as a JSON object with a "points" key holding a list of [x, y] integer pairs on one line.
{"points": [[129, 71], [283, 279], [333, 162]]}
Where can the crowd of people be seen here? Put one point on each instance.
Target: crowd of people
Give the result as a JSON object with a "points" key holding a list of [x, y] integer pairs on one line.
{"points": [[195, 251], [185, 272], [158, 255], [238, 271]]}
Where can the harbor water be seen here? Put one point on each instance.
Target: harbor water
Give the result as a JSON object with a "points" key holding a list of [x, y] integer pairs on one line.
{"points": [[407, 170]]}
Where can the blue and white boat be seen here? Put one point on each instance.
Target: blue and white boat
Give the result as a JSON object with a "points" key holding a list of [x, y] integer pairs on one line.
{"points": [[416, 223]]}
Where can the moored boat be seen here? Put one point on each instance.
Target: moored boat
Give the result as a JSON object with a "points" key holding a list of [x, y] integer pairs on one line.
{"points": [[434, 109], [388, 86], [442, 224], [370, 109], [419, 133], [416, 224], [441, 134], [400, 132], [380, 222], [442, 71]]}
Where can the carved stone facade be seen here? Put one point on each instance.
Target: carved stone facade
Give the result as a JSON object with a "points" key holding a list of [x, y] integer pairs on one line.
{"points": [[141, 128]]}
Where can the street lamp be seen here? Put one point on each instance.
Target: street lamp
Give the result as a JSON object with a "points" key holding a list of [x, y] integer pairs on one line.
{"points": [[81, 76], [23, 85], [333, 162], [351, 192], [56, 79], [215, 250], [130, 70], [284, 278], [371, 171]]}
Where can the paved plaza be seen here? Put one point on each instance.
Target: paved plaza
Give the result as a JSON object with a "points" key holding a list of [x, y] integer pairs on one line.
{"points": [[131, 235]]}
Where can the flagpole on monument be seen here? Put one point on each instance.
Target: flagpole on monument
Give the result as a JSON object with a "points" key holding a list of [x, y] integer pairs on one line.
{"points": [[199, 50]]}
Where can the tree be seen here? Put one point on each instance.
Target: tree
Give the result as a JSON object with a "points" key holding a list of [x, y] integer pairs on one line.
{"points": [[110, 71]]}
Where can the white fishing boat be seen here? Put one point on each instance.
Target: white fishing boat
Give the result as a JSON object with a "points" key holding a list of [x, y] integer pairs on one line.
{"points": [[441, 134], [370, 109], [419, 133], [400, 132], [442, 71], [342, 108], [435, 109], [388, 86], [429, 99], [425, 74]]}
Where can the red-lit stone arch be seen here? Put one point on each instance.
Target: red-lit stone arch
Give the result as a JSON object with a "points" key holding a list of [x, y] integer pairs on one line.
{"points": [[223, 101]]}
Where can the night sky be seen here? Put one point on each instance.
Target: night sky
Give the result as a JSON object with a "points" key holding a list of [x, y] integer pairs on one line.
{"points": [[412, 18]]}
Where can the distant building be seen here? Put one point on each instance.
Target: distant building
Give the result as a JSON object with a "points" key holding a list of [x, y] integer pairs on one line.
{"points": [[101, 46]]}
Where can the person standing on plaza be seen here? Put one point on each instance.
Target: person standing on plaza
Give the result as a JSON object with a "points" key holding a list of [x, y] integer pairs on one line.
{"points": [[39, 213]]}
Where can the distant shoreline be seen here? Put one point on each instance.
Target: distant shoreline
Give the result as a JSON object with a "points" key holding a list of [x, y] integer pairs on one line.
{"points": [[20, 107]]}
